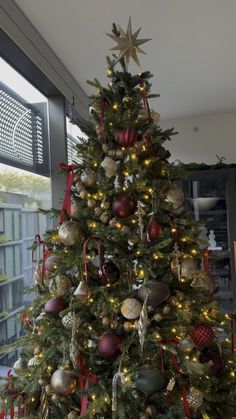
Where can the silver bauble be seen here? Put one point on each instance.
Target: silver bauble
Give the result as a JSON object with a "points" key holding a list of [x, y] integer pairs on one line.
{"points": [[203, 280], [186, 266], [33, 362], [174, 196], [60, 285], [17, 367], [131, 308], [70, 233], [69, 321], [186, 345], [64, 382], [88, 178], [195, 398]]}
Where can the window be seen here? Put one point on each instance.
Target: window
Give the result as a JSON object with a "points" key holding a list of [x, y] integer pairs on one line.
{"points": [[25, 187], [74, 134]]}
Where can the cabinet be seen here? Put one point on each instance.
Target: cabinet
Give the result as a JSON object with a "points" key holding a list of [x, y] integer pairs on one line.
{"points": [[211, 198]]}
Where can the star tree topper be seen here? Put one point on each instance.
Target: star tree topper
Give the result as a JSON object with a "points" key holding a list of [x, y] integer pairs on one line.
{"points": [[128, 44]]}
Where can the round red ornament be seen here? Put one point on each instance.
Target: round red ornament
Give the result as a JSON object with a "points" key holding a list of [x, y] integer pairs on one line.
{"points": [[108, 273], [127, 137], [109, 344], [55, 305], [154, 230], [202, 335], [122, 207]]}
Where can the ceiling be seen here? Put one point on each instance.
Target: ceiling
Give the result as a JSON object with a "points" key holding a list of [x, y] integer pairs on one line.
{"points": [[192, 53]]}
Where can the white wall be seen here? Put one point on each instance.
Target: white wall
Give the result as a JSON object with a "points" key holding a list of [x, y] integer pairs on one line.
{"points": [[201, 137]]}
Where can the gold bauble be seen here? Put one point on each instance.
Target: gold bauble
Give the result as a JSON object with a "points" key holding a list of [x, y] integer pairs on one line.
{"points": [[186, 345], [68, 321], [79, 187], [91, 203], [203, 280], [17, 367], [119, 154], [82, 292], [60, 285], [113, 222], [105, 205], [73, 415], [166, 309], [173, 301], [64, 382], [88, 178], [37, 350], [173, 195], [70, 233], [98, 211], [186, 265], [83, 194], [128, 326], [105, 216], [131, 308], [157, 317], [41, 381], [106, 321], [195, 398]]}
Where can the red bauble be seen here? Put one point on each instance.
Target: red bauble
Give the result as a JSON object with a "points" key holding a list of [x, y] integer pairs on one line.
{"points": [[202, 335], [154, 230], [55, 305], [108, 273], [122, 207], [215, 358], [109, 344], [127, 137]]}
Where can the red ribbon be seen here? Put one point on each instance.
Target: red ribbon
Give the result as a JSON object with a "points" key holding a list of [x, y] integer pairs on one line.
{"points": [[66, 207], [86, 379], [177, 369], [206, 262], [145, 101]]}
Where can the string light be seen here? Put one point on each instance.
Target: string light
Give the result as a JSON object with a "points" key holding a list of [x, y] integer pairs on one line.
{"points": [[133, 221], [91, 300], [93, 396], [194, 252], [155, 256], [147, 162], [118, 225], [232, 374], [115, 106], [95, 164], [110, 123], [173, 230], [133, 156], [173, 330], [145, 196], [126, 173], [150, 190], [32, 399], [109, 72]]}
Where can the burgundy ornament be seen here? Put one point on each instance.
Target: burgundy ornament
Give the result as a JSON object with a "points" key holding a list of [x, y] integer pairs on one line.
{"points": [[109, 344], [202, 335], [127, 137], [154, 230], [108, 273], [55, 305], [122, 207], [214, 358]]}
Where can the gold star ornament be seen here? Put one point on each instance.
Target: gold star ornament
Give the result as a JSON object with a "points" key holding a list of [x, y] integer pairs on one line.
{"points": [[128, 44]]}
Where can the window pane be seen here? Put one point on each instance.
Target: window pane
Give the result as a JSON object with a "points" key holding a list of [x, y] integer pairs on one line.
{"points": [[74, 134]]}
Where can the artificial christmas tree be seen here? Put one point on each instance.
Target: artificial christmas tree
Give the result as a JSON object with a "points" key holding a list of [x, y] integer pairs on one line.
{"points": [[125, 324]]}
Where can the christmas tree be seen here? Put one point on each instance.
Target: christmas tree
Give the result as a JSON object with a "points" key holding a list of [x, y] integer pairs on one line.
{"points": [[125, 324]]}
